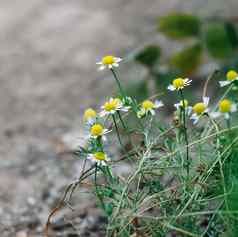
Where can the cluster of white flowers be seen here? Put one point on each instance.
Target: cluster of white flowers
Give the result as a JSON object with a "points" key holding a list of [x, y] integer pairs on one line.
{"points": [[97, 131]]}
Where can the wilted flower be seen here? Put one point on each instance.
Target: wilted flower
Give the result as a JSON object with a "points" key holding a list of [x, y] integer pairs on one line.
{"points": [[149, 107], [225, 107], [98, 157], [231, 76], [200, 109], [109, 61], [179, 84]]}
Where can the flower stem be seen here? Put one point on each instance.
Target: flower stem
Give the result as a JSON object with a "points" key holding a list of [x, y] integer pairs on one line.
{"points": [[117, 131], [99, 196], [125, 127], [122, 92], [185, 133]]}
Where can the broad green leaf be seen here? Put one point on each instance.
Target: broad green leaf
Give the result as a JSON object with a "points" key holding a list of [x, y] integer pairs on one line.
{"points": [[187, 60], [178, 25], [149, 55]]}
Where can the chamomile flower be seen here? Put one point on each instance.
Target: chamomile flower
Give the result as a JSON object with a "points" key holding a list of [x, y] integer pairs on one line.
{"points": [[179, 84], [99, 158], [225, 108], [149, 107], [200, 109], [89, 115], [97, 130], [110, 107], [108, 61], [231, 76], [183, 104]]}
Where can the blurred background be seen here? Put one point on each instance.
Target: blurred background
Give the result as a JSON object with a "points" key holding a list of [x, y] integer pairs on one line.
{"points": [[48, 51]]}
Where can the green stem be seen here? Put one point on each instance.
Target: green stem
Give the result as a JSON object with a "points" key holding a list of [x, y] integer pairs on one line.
{"points": [[228, 123], [96, 187], [123, 94], [117, 131], [125, 127], [185, 133], [206, 130]]}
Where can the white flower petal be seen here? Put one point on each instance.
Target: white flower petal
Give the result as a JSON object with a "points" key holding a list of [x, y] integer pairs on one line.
{"points": [[104, 138], [206, 100], [158, 104], [233, 108], [110, 66], [185, 80], [91, 120], [101, 68], [125, 109], [103, 163], [177, 105], [152, 112], [215, 114], [171, 88], [195, 118], [188, 110], [115, 65], [117, 59], [224, 83], [103, 113], [227, 115], [90, 156]]}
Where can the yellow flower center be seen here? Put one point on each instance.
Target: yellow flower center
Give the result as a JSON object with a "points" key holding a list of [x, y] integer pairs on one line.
{"points": [[147, 104], [225, 106], [109, 59], [231, 75], [96, 129], [99, 155], [185, 102], [89, 113], [199, 108], [178, 83], [112, 104]]}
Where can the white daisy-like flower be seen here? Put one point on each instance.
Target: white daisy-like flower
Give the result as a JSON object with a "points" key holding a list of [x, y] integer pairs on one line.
{"points": [[200, 109], [225, 108], [179, 84], [149, 107], [231, 76], [112, 106], [108, 61], [184, 104], [89, 116], [97, 130], [99, 157]]}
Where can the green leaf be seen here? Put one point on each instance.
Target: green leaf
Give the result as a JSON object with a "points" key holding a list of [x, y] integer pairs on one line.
{"points": [[187, 60], [149, 55], [219, 40], [178, 26]]}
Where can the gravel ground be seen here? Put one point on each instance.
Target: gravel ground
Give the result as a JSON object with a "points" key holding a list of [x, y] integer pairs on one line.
{"points": [[48, 50]]}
